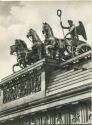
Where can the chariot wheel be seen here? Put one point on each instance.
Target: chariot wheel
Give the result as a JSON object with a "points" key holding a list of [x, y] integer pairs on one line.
{"points": [[82, 49]]}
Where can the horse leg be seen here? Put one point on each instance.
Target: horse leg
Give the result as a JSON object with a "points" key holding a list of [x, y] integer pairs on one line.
{"points": [[14, 67], [54, 53], [22, 64], [26, 57], [47, 50], [39, 53], [61, 55], [50, 52], [70, 50], [43, 51]]}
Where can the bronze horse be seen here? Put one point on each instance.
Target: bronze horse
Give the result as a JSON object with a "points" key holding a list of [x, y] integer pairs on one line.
{"points": [[56, 46], [38, 47], [24, 55]]}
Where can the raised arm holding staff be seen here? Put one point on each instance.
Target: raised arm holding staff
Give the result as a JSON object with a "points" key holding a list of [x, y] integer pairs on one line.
{"points": [[72, 29]]}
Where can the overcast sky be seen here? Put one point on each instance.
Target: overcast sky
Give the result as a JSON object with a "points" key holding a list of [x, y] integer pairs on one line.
{"points": [[17, 17]]}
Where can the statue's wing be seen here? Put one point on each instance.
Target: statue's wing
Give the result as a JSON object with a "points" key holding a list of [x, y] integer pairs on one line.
{"points": [[81, 30]]}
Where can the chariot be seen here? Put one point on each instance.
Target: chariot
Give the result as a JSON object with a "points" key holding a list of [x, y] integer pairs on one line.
{"points": [[56, 49]]}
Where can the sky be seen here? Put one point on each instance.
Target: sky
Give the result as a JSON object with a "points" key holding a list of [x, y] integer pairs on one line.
{"points": [[17, 17]]}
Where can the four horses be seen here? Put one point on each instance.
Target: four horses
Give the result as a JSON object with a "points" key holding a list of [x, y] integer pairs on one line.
{"points": [[52, 47]]}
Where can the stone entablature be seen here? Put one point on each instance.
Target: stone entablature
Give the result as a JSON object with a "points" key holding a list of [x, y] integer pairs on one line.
{"points": [[53, 90], [24, 86]]}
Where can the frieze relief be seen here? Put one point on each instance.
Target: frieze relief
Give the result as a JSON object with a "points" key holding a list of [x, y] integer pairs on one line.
{"points": [[22, 86]]}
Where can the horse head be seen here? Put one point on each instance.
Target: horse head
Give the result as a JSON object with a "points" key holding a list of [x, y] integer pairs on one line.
{"points": [[13, 49], [18, 47], [20, 44], [30, 33], [47, 30], [33, 35]]}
